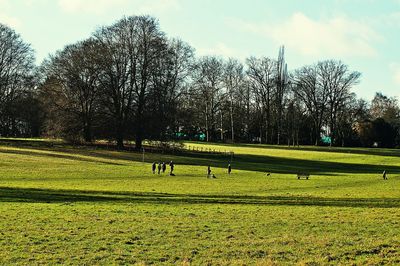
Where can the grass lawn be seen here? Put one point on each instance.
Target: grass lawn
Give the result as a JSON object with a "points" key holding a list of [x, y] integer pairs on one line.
{"points": [[83, 205]]}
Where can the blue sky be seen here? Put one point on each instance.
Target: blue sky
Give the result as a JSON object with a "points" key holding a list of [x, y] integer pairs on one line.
{"points": [[365, 34]]}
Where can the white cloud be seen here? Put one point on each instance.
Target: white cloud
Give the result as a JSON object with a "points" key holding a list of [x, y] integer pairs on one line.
{"points": [[6, 19], [338, 36], [220, 49], [158, 6], [102, 6], [3, 3], [395, 69], [393, 19], [12, 22], [30, 3], [89, 6]]}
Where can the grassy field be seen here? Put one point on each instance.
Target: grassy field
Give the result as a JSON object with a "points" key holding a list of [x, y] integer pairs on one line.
{"points": [[83, 205]]}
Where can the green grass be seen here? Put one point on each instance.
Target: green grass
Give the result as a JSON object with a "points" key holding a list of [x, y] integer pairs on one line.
{"points": [[81, 205]]}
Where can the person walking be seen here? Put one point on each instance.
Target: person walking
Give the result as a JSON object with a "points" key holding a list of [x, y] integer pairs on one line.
{"points": [[229, 169], [153, 167], [171, 165], [164, 167], [209, 171], [384, 175], [159, 168]]}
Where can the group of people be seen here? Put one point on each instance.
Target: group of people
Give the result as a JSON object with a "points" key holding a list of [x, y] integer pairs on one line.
{"points": [[162, 167]]}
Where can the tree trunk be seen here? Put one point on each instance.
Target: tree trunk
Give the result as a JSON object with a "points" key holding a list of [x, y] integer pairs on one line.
{"points": [[138, 142], [120, 141], [120, 135], [222, 130], [139, 121], [232, 129], [87, 132], [207, 129]]}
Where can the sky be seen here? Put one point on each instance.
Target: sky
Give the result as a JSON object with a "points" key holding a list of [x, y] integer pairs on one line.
{"points": [[364, 34]]}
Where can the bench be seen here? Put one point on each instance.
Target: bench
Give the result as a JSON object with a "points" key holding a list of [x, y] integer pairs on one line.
{"points": [[303, 175]]}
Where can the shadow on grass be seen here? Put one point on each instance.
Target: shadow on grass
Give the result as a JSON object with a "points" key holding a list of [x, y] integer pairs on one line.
{"points": [[43, 153], [286, 165], [249, 162], [357, 150], [30, 195]]}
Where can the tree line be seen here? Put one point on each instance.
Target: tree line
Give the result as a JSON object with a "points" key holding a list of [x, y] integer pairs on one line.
{"points": [[130, 81]]}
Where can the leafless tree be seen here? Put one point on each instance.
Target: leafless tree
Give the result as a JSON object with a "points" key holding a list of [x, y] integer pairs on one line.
{"points": [[16, 77], [337, 80], [72, 87], [132, 48], [207, 78], [169, 81], [282, 80], [261, 73], [233, 79], [384, 107], [308, 88]]}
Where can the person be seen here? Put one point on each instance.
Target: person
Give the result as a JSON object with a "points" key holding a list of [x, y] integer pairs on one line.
{"points": [[171, 164], [384, 175], [159, 168], [229, 169], [153, 167], [164, 167], [209, 171]]}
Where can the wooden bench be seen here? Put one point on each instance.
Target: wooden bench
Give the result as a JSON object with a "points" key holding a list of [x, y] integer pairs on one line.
{"points": [[303, 175]]}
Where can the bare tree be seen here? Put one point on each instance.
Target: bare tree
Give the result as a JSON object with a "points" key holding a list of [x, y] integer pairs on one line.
{"points": [[207, 77], [169, 81], [324, 89], [261, 73], [233, 78], [282, 81], [308, 89], [16, 77], [385, 107], [132, 47], [72, 87], [336, 80]]}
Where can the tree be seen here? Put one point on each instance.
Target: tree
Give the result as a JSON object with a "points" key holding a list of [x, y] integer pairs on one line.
{"points": [[233, 79], [261, 73], [337, 80], [384, 133], [282, 80], [169, 83], [207, 89], [388, 109], [17, 80], [132, 49], [346, 119], [308, 89], [72, 88], [324, 89], [385, 107]]}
